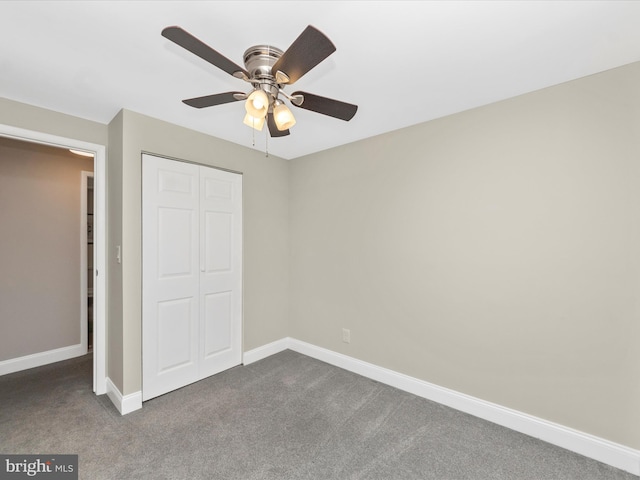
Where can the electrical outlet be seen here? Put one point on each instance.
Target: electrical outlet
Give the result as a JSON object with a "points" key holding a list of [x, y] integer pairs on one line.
{"points": [[346, 335]]}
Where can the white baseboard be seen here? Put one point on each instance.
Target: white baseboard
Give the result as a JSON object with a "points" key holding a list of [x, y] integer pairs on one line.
{"points": [[42, 358], [124, 403], [599, 449], [265, 351]]}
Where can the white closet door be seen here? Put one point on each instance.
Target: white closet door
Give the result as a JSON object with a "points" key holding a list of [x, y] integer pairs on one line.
{"points": [[221, 270], [171, 275], [192, 273]]}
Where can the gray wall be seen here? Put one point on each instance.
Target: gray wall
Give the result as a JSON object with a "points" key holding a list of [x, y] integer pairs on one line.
{"points": [[21, 115], [266, 233], [39, 247], [115, 339], [495, 252]]}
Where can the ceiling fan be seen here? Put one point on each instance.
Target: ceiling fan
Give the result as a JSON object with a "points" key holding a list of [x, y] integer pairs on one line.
{"points": [[269, 70]]}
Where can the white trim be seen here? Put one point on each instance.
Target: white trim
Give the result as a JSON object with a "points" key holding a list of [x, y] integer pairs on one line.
{"points": [[124, 403], [100, 216], [605, 451], [100, 266], [265, 351], [42, 358]]}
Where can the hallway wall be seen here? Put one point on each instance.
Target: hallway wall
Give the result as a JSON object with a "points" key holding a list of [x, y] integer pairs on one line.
{"points": [[39, 247]]}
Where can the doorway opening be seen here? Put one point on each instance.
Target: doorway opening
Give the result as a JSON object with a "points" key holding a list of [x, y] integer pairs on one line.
{"points": [[98, 309]]}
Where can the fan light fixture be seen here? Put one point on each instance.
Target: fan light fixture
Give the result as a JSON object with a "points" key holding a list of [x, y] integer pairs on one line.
{"points": [[257, 104], [269, 70], [282, 116], [253, 122]]}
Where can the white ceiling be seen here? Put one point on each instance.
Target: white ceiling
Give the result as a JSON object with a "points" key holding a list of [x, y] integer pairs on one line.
{"points": [[402, 62]]}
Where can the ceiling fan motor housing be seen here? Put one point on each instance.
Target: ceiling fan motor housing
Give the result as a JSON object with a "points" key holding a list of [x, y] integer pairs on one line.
{"points": [[258, 61]]}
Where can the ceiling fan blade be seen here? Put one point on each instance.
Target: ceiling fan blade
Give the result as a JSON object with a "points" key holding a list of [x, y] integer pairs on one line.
{"points": [[326, 106], [307, 51], [212, 100], [273, 129], [180, 37]]}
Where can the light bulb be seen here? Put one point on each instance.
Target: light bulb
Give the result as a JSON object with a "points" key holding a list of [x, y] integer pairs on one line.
{"points": [[257, 104], [81, 152]]}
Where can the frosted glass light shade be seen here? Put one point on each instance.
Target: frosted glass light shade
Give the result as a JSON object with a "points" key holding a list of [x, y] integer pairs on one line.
{"points": [[257, 104], [283, 117], [253, 122]]}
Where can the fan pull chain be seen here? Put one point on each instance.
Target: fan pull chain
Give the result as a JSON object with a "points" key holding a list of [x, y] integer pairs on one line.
{"points": [[253, 132]]}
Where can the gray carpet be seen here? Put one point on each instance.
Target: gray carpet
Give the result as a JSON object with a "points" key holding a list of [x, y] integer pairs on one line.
{"points": [[285, 417]]}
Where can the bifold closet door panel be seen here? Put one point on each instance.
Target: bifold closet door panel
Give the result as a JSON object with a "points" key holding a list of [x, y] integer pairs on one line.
{"points": [[221, 270], [171, 275]]}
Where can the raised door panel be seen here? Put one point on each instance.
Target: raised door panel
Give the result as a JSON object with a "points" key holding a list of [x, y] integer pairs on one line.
{"points": [[218, 319], [176, 325]]}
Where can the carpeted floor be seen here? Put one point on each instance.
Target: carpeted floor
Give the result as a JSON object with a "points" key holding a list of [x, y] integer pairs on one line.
{"points": [[285, 417]]}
